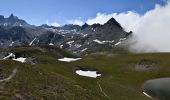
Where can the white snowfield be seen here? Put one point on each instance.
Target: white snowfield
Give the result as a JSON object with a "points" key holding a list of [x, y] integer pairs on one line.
{"points": [[70, 42], [65, 59], [117, 43], [103, 42], [10, 55], [92, 74], [51, 44], [97, 41], [61, 46], [32, 41], [120, 41], [84, 50], [21, 59]]}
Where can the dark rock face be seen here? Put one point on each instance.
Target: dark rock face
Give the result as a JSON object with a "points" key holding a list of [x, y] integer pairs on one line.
{"points": [[113, 22], [145, 64], [107, 35], [71, 27], [14, 34], [19, 33], [12, 21], [74, 38], [84, 26], [158, 88], [49, 37]]}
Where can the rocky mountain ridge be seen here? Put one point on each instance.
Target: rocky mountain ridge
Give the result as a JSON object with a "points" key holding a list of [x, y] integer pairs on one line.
{"points": [[77, 39]]}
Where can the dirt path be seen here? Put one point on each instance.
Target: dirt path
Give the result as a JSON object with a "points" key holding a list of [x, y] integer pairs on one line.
{"points": [[103, 91], [10, 76]]}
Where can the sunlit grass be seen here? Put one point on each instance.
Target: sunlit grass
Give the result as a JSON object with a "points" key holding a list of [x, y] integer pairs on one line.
{"points": [[51, 79]]}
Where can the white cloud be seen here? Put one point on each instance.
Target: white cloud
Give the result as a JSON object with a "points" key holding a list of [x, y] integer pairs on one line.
{"points": [[56, 24], [151, 30], [100, 18], [75, 22], [47, 22], [126, 19]]}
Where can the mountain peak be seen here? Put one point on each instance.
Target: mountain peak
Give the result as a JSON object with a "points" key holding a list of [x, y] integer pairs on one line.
{"points": [[12, 21], [12, 16], [112, 21], [84, 26]]}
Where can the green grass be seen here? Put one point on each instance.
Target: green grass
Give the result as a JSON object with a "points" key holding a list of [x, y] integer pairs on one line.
{"points": [[111, 50], [53, 80]]}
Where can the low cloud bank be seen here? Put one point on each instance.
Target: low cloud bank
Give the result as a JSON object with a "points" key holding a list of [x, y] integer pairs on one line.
{"points": [[75, 22], [151, 30], [56, 24]]}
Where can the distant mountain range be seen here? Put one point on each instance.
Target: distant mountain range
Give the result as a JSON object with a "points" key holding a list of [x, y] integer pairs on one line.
{"points": [[75, 38]]}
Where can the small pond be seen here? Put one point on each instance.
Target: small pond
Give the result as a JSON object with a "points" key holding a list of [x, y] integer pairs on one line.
{"points": [[158, 89]]}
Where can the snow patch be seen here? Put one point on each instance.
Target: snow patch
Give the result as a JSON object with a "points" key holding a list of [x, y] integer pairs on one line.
{"points": [[93, 29], [51, 29], [65, 59], [20, 59], [77, 45], [61, 46], [117, 43], [84, 50], [97, 41], [11, 44], [10, 55], [70, 42], [108, 41], [122, 39], [103, 42], [84, 35], [32, 41], [146, 94], [92, 74], [51, 44]]}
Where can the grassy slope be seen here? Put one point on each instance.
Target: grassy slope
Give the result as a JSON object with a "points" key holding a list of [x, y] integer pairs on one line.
{"points": [[51, 79]]}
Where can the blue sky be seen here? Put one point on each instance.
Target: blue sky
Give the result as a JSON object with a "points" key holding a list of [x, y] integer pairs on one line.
{"points": [[39, 11]]}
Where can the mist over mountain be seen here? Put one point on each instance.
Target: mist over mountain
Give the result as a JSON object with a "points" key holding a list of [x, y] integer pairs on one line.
{"points": [[151, 29]]}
